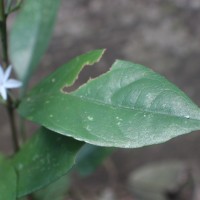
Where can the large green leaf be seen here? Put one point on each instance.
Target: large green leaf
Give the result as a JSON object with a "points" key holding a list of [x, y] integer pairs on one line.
{"points": [[30, 35], [8, 181], [130, 106], [45, 158]]}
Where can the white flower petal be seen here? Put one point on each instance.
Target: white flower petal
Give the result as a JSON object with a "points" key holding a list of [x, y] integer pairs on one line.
{"points": [[3, 93], [1, 74], [12, 83], [7, 73]]}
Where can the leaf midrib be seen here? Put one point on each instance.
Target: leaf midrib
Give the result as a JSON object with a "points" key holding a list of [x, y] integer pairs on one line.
{"points": [[95, 101]]}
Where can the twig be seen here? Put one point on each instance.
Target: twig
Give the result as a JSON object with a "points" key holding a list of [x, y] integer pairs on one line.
{"points": [[3, 32], [10, 107]]}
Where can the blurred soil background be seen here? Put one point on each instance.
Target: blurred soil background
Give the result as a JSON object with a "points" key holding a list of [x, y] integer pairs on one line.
{"points": [[161, 34]]}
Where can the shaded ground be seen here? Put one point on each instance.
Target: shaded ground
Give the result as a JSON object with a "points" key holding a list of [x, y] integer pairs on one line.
{"points": [[163, 35]]}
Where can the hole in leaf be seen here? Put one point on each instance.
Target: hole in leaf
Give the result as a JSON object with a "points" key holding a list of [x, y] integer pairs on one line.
{"points": [[88, 72]]}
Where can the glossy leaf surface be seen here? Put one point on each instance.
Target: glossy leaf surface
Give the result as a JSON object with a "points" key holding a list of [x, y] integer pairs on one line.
{"points": [[130, 106], [8, 181], [30, 35], [45, 158]]}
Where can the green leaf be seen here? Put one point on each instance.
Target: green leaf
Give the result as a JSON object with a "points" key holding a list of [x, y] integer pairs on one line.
{"points": [[90, 157], [8, 181], [130, 106], [45, 158], [56, 190], [30, 35]]}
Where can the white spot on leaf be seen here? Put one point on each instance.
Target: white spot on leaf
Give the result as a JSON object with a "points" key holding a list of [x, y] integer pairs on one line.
{"points": [[90, 118], [118, 118], [88, 128]]}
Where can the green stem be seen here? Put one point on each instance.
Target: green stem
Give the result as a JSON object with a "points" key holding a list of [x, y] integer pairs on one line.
{"points": [[10, 103]]}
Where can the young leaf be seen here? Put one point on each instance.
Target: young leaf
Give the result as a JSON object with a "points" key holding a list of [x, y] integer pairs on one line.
{"points": [[130, 106], [8, 183], [45, 158], [30, 35]]}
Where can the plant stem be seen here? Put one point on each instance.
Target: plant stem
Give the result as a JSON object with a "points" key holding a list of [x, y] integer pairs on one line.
{"points": [[3, 32], [10, 107], [11, 115]]}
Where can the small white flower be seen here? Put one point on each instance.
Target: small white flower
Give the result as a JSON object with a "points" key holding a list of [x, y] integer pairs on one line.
{"points": [[6, 83]]}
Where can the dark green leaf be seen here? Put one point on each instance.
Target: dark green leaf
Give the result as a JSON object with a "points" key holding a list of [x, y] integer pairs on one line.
{"points": [[45, 158], [8, 181], [30, 35], [56, 190], [130, 106], [90, 157]]}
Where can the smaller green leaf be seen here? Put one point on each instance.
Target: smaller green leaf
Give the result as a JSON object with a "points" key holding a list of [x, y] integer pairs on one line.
{"points": [[8, 181], [45, 158], [30, 35], [56, 190], [90, 157]]}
